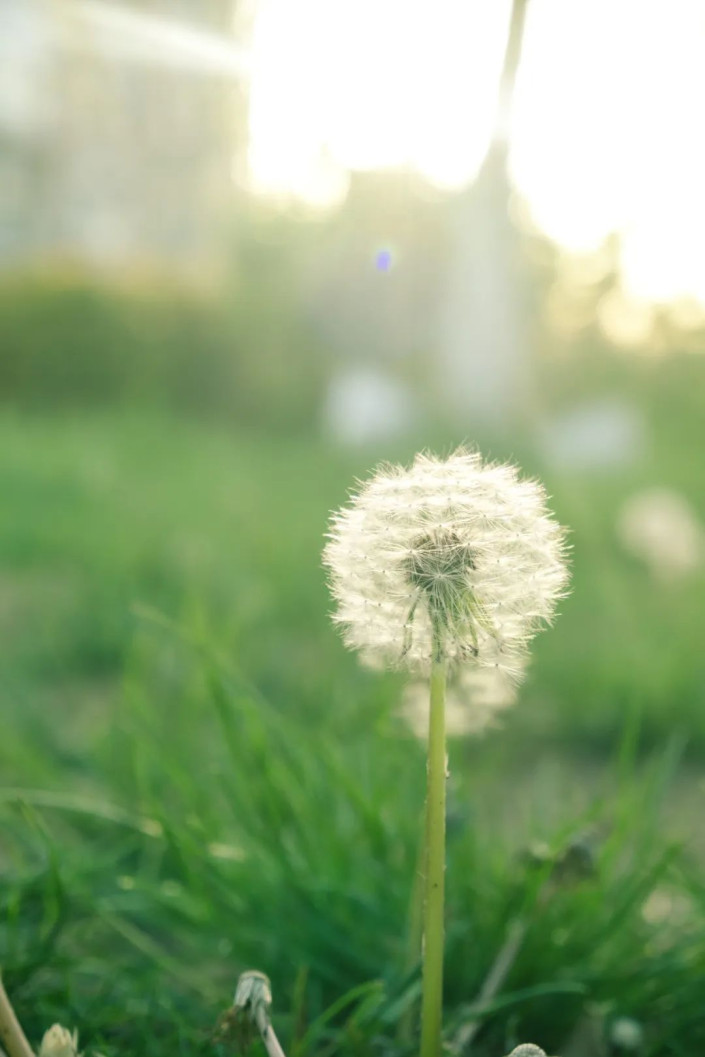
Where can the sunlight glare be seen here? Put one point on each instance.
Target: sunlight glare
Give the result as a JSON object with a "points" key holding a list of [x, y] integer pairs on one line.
{"points": [[605, 130], [372, 84], [605, 136]]}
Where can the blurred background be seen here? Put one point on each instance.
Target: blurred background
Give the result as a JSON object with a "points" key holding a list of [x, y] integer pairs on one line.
{"points": [[282, 241], [249, 249]]}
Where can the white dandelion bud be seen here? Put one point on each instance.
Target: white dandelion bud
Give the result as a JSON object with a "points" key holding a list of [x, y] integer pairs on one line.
{"points": [[59, 1042], [251, 1010], [452, 558]]}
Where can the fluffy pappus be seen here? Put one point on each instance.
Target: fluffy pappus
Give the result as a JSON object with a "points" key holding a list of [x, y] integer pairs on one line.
{"points": [[452, 558]]}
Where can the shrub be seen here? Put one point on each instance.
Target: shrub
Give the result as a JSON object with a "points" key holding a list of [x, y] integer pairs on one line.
{"points": [[69, 339]]}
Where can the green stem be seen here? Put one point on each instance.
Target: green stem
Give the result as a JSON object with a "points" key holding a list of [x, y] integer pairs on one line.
{"points": [[432, 983], [12, 1036]]}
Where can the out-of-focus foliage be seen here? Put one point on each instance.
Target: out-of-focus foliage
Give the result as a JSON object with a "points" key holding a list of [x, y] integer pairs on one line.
{"points": [[239, 351], [197, 778]]}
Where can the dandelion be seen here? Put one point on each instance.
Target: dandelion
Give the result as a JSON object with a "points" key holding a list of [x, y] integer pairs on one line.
{"points": [[452, 558], [59, 1042], [452, 564], [249, 1015]]}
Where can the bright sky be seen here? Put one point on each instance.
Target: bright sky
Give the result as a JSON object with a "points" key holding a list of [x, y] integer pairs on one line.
{"points": [[606, 133]]}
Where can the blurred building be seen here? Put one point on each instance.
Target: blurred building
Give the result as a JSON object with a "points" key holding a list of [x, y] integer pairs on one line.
{"points": [[118, 129], [431, 294]]}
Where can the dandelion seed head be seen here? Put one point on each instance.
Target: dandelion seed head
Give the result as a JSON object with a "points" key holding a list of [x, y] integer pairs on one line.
{"points": [[454, 555]]}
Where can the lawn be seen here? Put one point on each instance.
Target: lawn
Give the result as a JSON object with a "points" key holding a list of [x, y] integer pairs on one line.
{"points": [[198, 779]]}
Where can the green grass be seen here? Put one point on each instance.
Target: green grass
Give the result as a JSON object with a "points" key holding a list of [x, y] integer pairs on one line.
{"points": [[197, 779], [104, 516]]}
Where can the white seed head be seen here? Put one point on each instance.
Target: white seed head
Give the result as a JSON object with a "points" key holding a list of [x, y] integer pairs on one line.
{"points": [[59, 1042], [452, 557]]}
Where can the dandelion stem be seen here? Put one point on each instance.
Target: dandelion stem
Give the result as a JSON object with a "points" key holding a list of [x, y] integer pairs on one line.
{"points": [[432, 983], [11, 1033], [270, 1040]]}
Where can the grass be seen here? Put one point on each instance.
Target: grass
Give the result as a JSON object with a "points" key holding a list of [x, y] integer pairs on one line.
{"points": [[197, 779]]}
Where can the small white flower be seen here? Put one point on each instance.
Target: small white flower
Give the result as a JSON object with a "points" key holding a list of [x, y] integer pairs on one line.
{"points": [[452, 557], [59, 1042]]}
